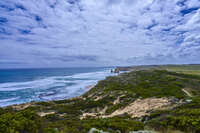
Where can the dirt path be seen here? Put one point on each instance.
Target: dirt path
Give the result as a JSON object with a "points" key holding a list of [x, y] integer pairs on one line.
{"points": [[186, 92], [42, 114]]}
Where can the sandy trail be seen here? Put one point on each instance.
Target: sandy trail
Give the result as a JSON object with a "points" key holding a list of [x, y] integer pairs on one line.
{"points": [[186, 92]]}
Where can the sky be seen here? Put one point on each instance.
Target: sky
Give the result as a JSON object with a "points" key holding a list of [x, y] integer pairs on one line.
{"points": [[81, 33]]}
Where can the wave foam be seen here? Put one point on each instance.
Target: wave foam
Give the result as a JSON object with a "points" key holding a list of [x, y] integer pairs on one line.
{"points": [[50, 88]]}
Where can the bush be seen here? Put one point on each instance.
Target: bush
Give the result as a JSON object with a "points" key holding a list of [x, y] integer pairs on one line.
{"points": [[21, 122], [185, 118]]}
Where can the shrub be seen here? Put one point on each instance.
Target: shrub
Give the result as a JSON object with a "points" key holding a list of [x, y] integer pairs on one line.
{"points": [[21, 122]]}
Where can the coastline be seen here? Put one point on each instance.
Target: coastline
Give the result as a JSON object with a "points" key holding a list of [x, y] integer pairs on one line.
{"points": [[28, 104], [48, 88], [116, 71], [150, 99]]}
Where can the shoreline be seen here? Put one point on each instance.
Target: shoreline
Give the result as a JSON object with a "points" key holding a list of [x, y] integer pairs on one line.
{"points": [[117, 71], [50, 88], [21, 106]]}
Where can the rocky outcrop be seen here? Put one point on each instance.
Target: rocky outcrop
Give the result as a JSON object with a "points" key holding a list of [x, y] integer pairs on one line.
{"points": [[135, 68], [122, 69]]}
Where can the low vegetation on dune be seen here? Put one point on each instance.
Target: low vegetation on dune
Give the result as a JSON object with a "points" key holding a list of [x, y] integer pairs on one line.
{"points": [[185, 118], [150, 99]]}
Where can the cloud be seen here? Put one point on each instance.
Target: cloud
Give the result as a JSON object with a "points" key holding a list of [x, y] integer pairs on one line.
{"points": [[60, 33]]}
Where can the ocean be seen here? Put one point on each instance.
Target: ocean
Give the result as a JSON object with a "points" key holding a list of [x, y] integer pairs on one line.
{"points": [[25, 85]]}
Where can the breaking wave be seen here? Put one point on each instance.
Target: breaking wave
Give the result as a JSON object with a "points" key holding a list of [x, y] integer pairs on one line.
{"points": [[49, 88]]}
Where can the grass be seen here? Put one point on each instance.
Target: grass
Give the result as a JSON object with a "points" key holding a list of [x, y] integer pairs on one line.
{"points": [[185, 69]]}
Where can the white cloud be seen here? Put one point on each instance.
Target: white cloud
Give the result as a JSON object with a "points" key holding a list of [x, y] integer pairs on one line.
{"points": [[113, 32]]}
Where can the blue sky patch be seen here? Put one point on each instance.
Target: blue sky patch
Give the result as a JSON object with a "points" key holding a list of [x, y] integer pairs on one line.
{"points": [[189, 10], [25, 32], [38, 18], [6, 7], [3, 20], [19, 6], [181, 3]]}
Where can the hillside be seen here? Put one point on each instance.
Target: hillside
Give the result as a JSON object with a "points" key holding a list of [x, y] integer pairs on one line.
{"points": [[160, 99]]}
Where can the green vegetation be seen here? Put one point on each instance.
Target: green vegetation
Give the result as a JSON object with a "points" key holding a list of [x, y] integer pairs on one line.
{"points": [[185, 69], [111, 94], [27, 121], [185, 118], [19, 122], [144, 84]]}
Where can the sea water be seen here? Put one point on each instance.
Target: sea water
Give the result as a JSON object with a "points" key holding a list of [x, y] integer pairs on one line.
{"points": [[25, 85]]}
